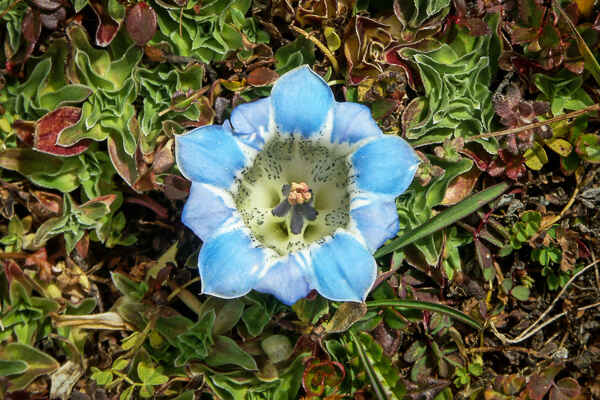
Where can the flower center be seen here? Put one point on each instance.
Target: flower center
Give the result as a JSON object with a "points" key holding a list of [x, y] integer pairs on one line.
{"points": [[297, 197], [295, 193]]}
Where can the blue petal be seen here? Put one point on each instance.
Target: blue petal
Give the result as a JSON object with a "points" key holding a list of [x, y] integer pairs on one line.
{"points": [[386, 165], [230, 265], [286, 279], [376, 219], [344, 270], [209, 154], [353, 122], [205, 210], [250, 121], [301, 102]]}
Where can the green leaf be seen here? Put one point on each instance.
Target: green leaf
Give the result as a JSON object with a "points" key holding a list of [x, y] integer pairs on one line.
{"points": [[559, 146], [79, 4], [445, 218], [130, 288], [520, 292], [149, 375], [256, 317], [228, 313], [38, 364], [127, 393], [8, 367], [277, 347], [102, 377], [292, 55], [227, 352], [536, 157], [346, 315], [333, 40], [590, 62], [456, 77], [310, 311], [188, 395], [588, 147]]}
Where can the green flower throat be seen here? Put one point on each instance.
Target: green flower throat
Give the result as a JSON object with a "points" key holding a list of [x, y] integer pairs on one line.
{"points": [[295, 193]]}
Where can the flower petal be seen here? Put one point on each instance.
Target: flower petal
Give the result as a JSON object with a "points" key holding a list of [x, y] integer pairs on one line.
{"points": [[353, 122], [376, 218], [230, 265], [344, 270], [386, 165], [250, 122], [301, 101], [286, 279], [209, 154], [206, 210]]}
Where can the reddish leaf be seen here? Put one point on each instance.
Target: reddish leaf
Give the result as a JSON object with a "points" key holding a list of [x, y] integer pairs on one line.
{"points": [[47, 5], [32, 26], [82, 247], [51, 21], [141, 23], [145, 201], [40, 259], [123, 162], [49, 127], [509, 384], [481, 158], [51, 203], [565, 389], [540, 383], [175, 187], [107, 26], [25, 131], [262, 76], [319, 375]]}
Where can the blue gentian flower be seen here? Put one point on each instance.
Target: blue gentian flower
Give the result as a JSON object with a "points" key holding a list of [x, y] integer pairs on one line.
{"points": [[294, 193]]}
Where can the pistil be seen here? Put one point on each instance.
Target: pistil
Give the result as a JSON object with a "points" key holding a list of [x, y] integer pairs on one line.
{"points": [[297, 197]]}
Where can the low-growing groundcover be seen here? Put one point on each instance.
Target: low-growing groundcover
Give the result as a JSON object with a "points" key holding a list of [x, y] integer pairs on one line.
{"points": [[490, 289]]}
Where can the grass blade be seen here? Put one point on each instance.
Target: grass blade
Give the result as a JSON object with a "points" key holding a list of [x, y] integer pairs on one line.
{"points": [[377, 386], [445, 218], [427, 306], [590, 62]]}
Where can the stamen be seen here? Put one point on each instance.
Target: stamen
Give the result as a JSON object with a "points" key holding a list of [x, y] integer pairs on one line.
{"points": [[299, 193]]}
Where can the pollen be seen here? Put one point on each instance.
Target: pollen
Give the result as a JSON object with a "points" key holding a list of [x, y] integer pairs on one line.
{"points": [[299, 193]]}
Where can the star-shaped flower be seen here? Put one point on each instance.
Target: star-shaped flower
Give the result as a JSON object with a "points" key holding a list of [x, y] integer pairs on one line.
{"points": [[294, 193]]}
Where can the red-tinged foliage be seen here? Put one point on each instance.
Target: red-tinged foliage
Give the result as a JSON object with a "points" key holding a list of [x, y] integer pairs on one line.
{"points": [[364, 43], [262, 76], [140, 23], [514, 112], [49, 127], [107, 27], [321, 374], [509, 164]]}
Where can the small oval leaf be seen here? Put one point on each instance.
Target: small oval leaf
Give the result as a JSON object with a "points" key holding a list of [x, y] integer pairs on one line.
{"points": [[141, 23]]}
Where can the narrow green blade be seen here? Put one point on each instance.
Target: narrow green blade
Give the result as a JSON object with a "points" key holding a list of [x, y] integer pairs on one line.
{"points": [[445, 218]]}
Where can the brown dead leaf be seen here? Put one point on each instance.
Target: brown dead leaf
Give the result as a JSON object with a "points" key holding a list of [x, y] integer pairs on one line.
{"points": [[461, 187], [262, 76], [107, 320]]}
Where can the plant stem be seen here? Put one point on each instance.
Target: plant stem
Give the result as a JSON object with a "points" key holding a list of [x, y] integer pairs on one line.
{"points": [[321, 47], [425, 305], [562, 117], [10, 6], [377, 387], [594, 107]]}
